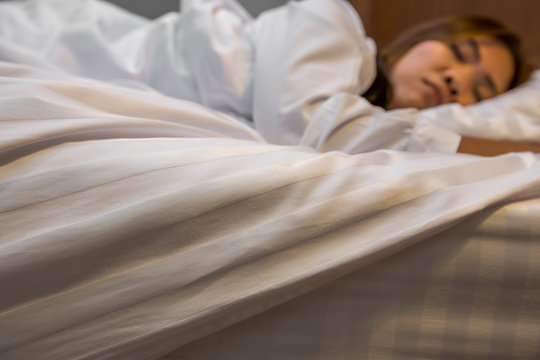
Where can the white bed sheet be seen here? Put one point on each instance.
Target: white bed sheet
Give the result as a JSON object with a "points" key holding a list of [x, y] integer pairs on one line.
{"points": [[133, 223], [470, 292]]}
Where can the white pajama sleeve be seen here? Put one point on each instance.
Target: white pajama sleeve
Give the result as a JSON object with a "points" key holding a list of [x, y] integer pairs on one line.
{"points": [[351, 124], [306, 52], [220, 52]]}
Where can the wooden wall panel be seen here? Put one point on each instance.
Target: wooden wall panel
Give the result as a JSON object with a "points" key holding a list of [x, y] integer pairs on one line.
{"points": [[383, 19]]}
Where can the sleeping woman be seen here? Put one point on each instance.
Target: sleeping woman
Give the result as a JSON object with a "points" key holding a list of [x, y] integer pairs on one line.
{"points": [[313, 60]]}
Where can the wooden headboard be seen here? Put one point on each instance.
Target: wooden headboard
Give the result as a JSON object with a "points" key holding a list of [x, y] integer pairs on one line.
{"points": [[384, 19]]}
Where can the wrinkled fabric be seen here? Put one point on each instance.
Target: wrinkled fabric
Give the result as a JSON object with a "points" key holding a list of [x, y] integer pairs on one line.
{"points": [[469, 292], [133, 223], [306, 52]]}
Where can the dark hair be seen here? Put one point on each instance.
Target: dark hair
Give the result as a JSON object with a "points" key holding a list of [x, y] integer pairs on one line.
{"points": [[446, 29]]}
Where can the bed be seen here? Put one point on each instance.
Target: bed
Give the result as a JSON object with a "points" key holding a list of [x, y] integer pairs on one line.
{"points": [[138, 225]]}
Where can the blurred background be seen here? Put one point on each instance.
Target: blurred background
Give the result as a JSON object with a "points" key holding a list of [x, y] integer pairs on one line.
{"points": [[155, 8]]}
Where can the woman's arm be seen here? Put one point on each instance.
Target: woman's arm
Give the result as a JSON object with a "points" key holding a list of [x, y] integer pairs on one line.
{"points": [[306, 52], [485, 147]]}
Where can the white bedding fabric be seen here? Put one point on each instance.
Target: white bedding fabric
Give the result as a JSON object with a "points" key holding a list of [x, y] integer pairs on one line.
{"points": [[470, 292], [132, 223]]}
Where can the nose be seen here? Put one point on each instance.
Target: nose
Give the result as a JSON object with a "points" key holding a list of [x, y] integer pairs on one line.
{"points": [[460, 82], [448, 80]]}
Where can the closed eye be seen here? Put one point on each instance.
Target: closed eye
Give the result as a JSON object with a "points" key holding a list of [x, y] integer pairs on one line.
{"points": [[477, 96], [484, 89]]}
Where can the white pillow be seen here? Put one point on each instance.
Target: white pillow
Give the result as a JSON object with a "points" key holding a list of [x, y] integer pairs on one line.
{"points": [[514, 115]]}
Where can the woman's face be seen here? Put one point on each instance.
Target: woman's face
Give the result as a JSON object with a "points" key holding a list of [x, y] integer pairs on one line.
{"points": [[466, 71]]}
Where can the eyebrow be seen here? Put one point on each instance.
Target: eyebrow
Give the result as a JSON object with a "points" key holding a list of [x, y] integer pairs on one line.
{"points": [[475, 47]]}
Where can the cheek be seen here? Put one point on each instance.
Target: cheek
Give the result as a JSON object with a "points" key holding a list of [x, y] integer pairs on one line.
{"points": [[404, 97], [428, 55], [403, 80], [425, 60]]}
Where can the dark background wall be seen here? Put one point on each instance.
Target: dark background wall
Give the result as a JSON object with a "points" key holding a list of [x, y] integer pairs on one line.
{"points": [[155, 8], [149, 8]]}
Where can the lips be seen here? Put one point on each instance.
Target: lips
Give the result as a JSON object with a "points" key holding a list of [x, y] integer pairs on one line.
{"points": [[435, 93]]}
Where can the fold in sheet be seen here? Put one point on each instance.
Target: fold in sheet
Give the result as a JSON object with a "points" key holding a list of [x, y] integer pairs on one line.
{"points": [[469, 292], [120, 245]]}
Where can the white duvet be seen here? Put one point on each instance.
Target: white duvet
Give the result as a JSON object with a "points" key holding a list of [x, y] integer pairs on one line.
{"points": [[133, 223]]}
